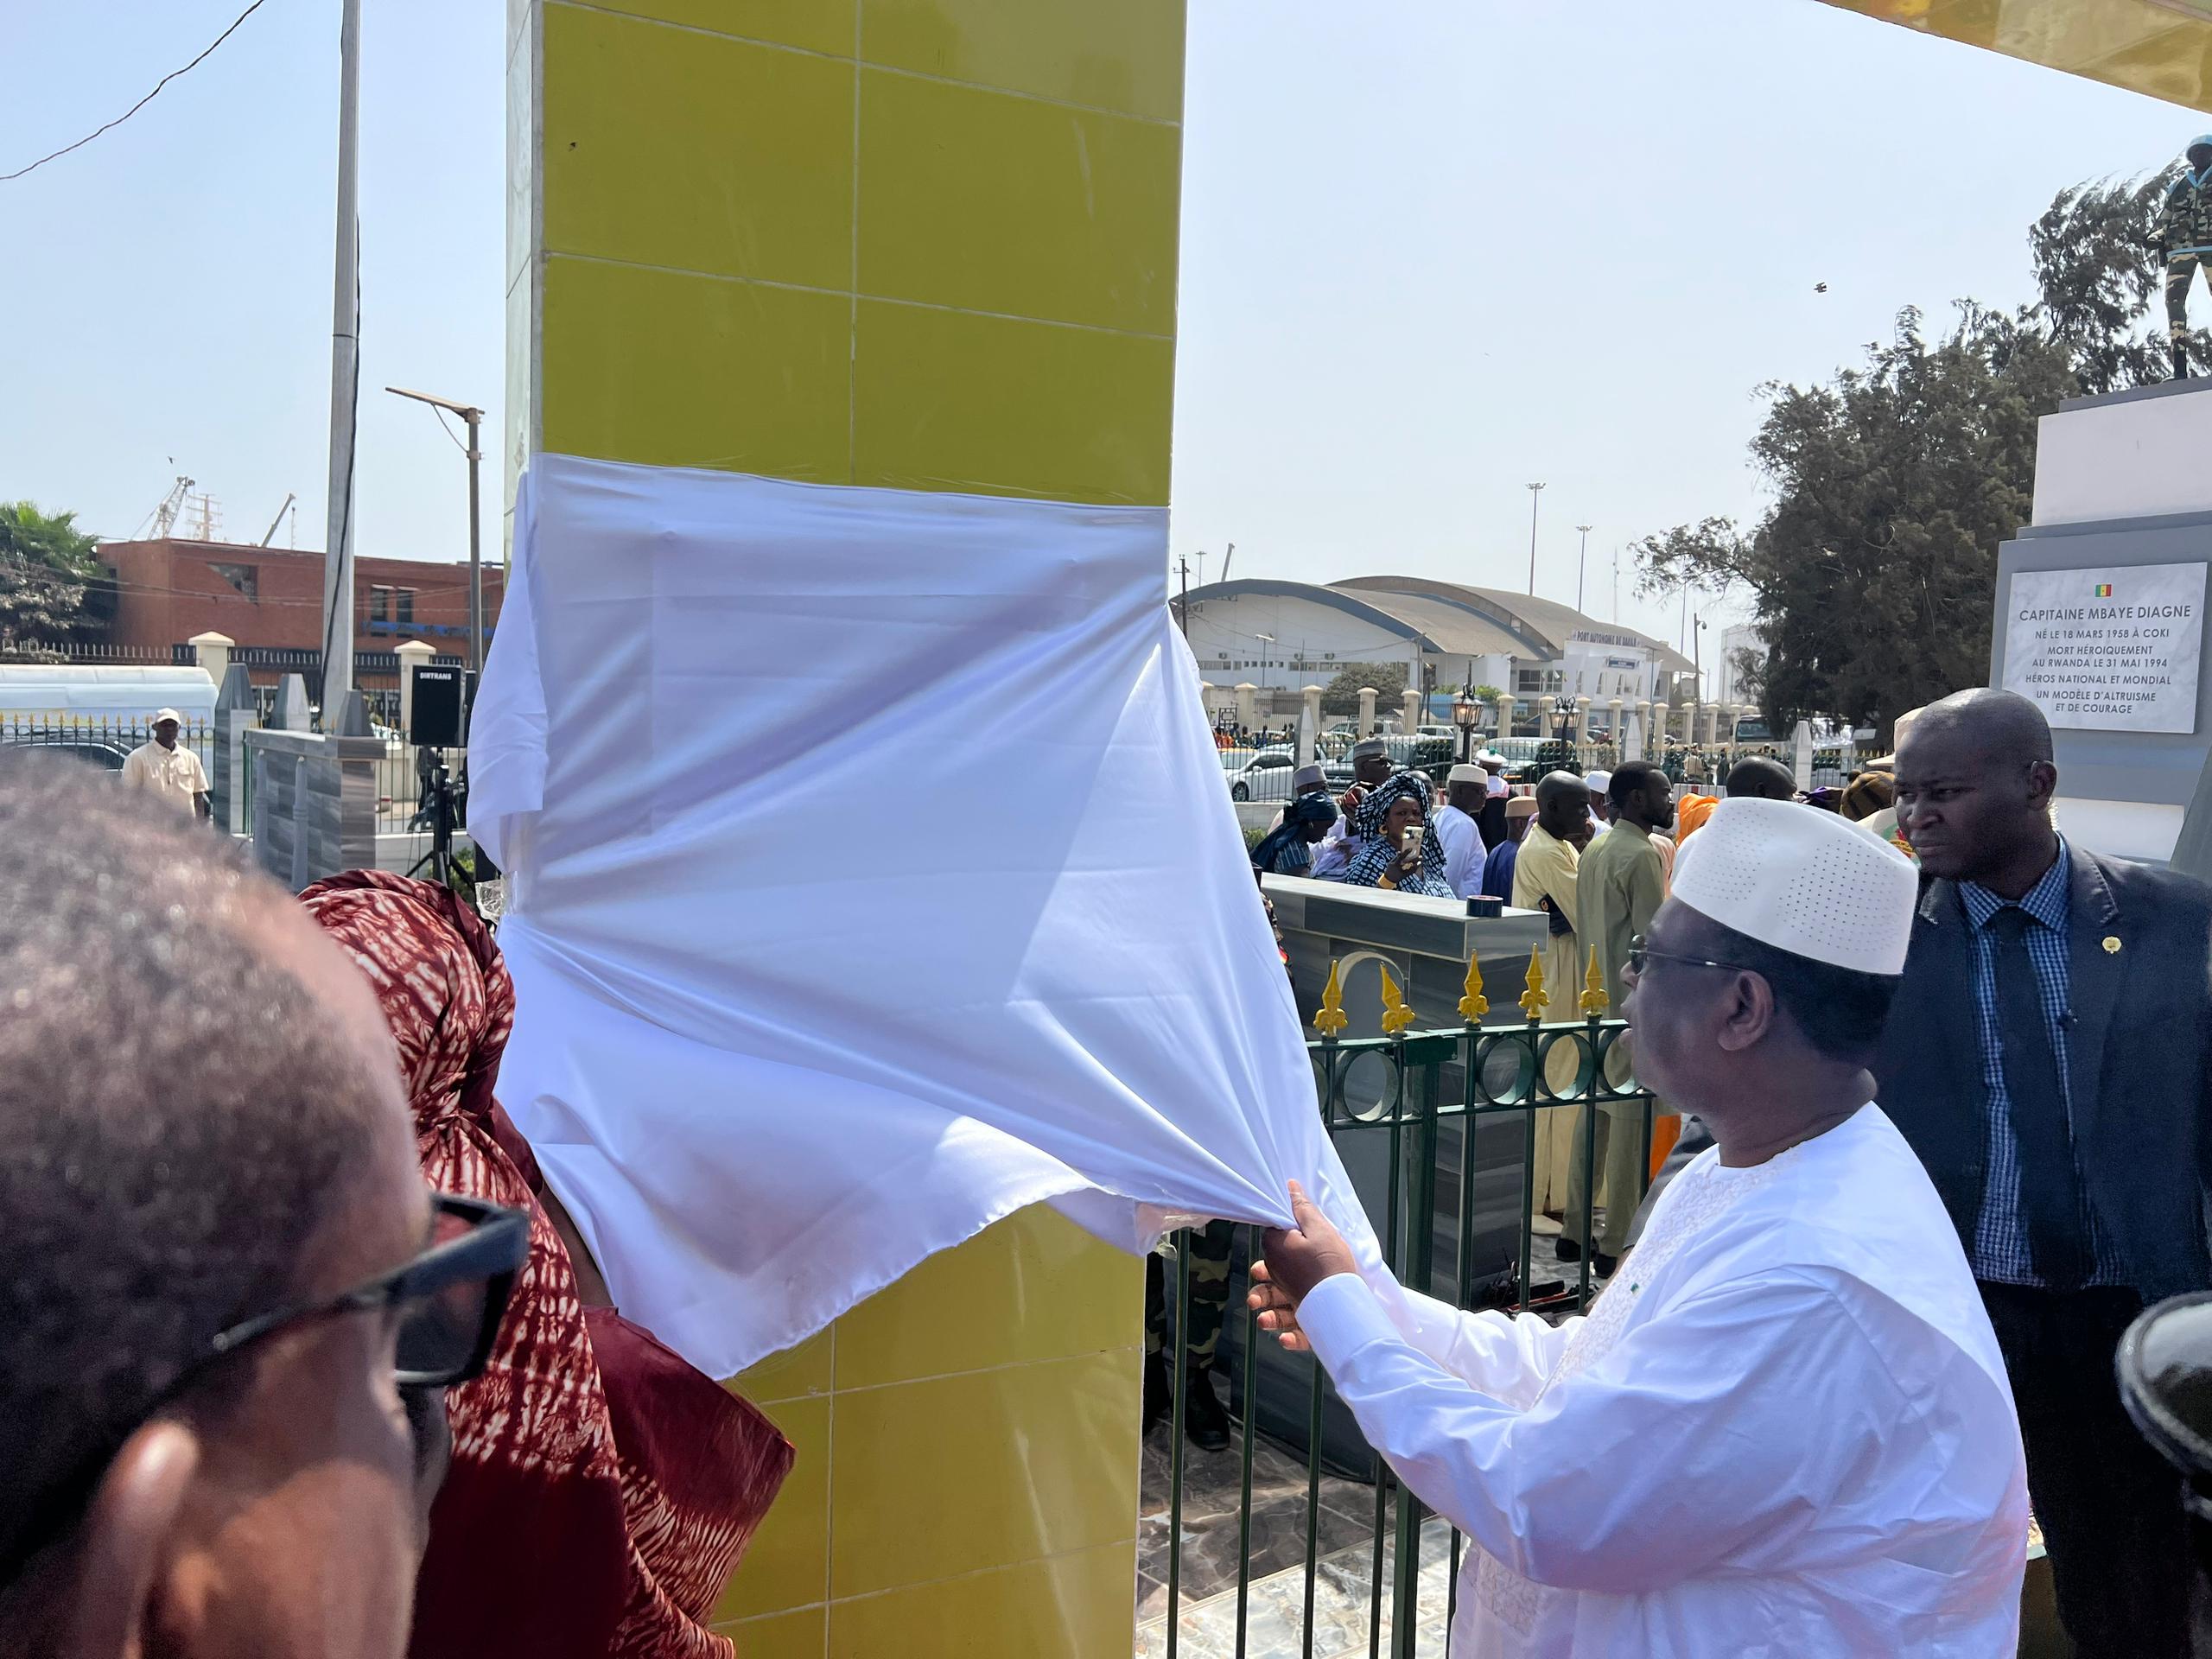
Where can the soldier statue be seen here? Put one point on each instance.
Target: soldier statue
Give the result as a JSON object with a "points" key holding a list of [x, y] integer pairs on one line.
{"points": [[2184, 234]]}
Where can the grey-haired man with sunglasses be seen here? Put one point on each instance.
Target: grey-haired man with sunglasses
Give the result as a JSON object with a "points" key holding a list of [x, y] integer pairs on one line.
{"points": [[221, 1263]]}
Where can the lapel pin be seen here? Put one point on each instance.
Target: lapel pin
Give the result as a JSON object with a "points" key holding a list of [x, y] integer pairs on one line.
{"points": [[2112, 944]]}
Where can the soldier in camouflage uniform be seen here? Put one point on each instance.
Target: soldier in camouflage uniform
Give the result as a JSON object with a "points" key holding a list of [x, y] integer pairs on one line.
{"points": [[2184, 234], [1204, 1420]]}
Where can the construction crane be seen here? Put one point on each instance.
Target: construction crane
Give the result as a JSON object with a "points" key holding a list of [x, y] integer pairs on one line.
{"points": [[165, 515], [289, 499]]}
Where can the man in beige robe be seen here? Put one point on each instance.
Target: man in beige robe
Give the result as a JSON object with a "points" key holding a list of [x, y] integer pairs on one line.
{"points": [[1622, 884], [1544, 879]]}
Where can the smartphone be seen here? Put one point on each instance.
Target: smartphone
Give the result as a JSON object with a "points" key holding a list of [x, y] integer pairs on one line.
{"points": [[1412, 841]]}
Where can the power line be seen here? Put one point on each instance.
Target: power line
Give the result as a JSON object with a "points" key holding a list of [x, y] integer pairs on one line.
{"points": [[256, 5]]}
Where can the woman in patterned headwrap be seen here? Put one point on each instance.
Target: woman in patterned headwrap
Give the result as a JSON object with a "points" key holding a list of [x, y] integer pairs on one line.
{"points": [[601, 1489], [1379, 825]]}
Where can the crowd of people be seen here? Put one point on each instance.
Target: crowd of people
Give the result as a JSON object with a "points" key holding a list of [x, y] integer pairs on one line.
{"points": [[299, 1356], [1945, 1277]]}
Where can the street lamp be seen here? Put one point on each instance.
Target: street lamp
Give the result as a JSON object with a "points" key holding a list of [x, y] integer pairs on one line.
{"points": [[474, 418], [1535, 493], [1582, 569], [1464, 713]]}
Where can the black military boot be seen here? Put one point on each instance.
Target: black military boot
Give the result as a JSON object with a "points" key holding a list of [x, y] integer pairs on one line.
{"points": [[2180, 361], [1159, 1396], [1204, 1420]]}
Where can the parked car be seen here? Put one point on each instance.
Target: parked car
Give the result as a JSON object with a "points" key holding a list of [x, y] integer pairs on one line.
{"points": [[1432, 755], [107, 753], [1522, 757], [1261, 776]]}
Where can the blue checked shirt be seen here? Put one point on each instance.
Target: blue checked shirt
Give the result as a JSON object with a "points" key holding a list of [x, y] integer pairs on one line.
{"points": [[2000, 1254]]}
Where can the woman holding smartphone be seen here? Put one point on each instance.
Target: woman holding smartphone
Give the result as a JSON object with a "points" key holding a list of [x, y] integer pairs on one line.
{"points": [[1393, 848]]}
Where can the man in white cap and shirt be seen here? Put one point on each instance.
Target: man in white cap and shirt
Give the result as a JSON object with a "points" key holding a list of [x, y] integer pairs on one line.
{"points": [[1465, 788], [1495, 793], [1600, 782], [167, 771], [1784, 1427]]}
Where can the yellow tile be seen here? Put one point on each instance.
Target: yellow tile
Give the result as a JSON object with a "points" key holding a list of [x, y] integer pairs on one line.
{"points": [[816, 25], [961, 1473], [1069, 1607], [669, 147], [974, 199], [1127, 55], [943, 400], [1034, 1286], [787, 1565], [798, 1370], [802, 1635], [680, 371]]}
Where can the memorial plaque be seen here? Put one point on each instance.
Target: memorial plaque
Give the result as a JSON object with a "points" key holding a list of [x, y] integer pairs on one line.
{"points": [[2114, 649]]}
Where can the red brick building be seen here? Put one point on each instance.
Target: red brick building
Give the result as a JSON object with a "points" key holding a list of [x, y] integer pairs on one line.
{"points": [[269, 601]]}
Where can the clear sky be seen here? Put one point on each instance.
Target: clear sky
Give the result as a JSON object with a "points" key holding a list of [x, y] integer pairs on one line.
{"points": [[1433, 249]]}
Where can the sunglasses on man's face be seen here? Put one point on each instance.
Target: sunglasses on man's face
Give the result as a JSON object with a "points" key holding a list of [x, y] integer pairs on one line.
{"points": [[448, 1301], [1639, 954]]}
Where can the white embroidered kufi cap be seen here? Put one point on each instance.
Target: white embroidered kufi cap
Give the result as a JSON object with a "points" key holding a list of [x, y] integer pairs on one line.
{"points": [[1803, 880]]}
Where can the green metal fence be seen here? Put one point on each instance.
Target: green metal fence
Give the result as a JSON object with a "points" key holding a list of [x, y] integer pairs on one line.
{"points": [[1422, 1113]]}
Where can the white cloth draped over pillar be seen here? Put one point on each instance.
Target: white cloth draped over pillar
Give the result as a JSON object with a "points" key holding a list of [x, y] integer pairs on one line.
{"points": [[871, 878]]}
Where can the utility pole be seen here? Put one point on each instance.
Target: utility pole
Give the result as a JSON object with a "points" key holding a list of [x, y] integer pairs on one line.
{"points": [[1617, 582], [1536, 494], [474, 417], [345, 381], [1582, 569], [1183, 569]]}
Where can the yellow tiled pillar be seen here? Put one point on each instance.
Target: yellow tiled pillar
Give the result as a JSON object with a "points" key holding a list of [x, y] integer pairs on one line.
{"points": [[923, 244]]}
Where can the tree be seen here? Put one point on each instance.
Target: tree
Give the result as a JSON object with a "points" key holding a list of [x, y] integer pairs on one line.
{"points": [[1874, 571], [53, 589], [2101, 285], [1341, 694], [1487, 693], [1749, 664]]}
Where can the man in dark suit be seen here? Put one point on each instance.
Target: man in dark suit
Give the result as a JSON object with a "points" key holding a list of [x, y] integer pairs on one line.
{"points": [[2047, 1058]]}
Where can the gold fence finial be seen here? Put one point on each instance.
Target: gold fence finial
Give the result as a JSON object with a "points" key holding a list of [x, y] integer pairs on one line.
{"points": [[1533, 1000], [1396, 1016], [1474, 1004], [1332, 1018], [1594, 1000]]}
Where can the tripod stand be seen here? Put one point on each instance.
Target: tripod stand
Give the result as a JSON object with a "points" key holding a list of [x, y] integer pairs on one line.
{"points": [[444, 806]]}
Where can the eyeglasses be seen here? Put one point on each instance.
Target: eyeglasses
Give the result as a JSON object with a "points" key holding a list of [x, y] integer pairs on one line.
{"points": [[448, 1299], [1639, 954]]}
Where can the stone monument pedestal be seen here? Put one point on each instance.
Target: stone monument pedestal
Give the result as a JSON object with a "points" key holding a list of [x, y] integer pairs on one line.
{"points": [[2100, 619]]}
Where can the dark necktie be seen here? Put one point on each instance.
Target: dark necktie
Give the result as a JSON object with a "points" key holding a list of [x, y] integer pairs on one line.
{"points": [[2050, 1190]]}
